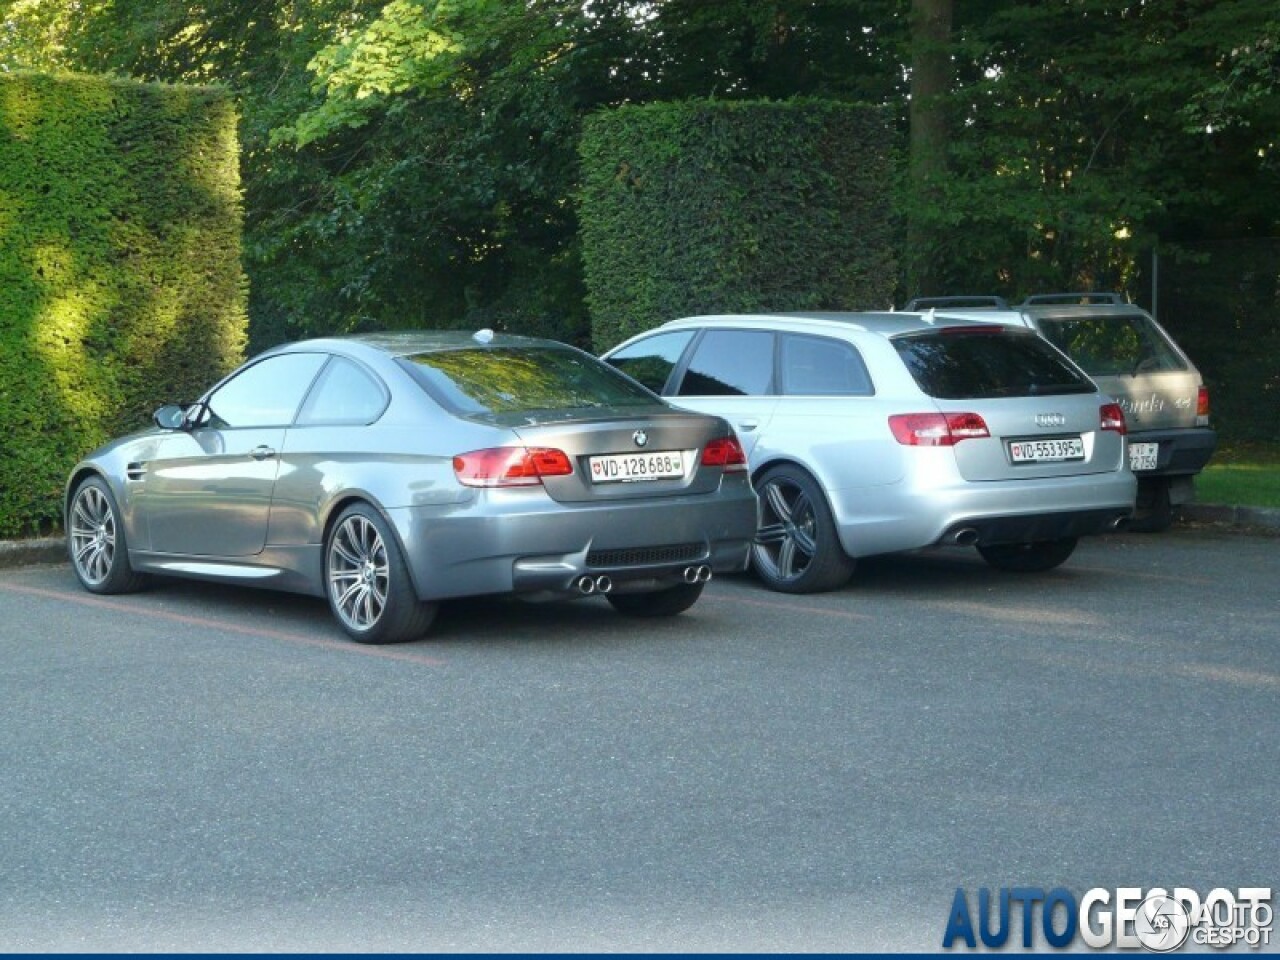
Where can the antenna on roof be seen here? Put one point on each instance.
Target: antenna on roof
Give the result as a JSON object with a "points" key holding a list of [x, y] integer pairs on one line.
{"points": [[483, 336], [931, 315]]}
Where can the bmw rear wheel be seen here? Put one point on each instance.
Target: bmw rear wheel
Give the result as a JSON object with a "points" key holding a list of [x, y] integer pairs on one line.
{"points": [[96, 541], [367, 583], [1028, 557], [657, 603], [797, 549]]}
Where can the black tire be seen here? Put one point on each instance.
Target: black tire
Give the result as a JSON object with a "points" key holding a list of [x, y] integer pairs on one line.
{"points": [[657, 603], [797, 549], [96, 541], [368, 586], [1028, 557], [1153, 512]]}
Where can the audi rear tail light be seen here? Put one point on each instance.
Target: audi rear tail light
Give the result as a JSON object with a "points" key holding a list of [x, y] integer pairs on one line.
{"points": [[725, 452], [510, 466], [937, 429], [1111, 417]]}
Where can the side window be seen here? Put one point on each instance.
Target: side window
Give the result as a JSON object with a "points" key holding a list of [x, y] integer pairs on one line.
{"points": [[266, 394], [823, 367], [651, 360], [730, 363], [343, 394]]}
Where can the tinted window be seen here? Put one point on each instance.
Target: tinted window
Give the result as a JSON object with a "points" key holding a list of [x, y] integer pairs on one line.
{"points": [[822, 367], [651, 360], [266, 394], [344, 393], [730, 363], [1106, 346], [962, 365], [495, 380]]}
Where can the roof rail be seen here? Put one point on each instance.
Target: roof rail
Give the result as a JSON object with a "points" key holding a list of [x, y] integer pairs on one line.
{"points": [[942, 303], [1082, 298]]}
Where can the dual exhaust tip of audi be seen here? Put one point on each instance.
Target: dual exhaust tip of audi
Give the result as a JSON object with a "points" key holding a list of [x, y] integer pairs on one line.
{"points": [[588, 584]]}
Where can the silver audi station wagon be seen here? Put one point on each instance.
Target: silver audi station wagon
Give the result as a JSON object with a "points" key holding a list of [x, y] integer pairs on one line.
{"points": [[388, 472], [875, 433], [1133, 359]]}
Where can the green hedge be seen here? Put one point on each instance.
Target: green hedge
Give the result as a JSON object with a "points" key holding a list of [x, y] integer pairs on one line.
{"points": [[711, 206], [120, 278]]}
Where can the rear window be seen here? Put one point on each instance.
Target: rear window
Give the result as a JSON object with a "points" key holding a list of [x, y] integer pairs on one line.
{"points": [[501, 380], [1110, 346], [967, 364]]}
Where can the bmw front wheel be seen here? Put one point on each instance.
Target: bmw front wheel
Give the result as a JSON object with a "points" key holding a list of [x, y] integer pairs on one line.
{"points": [[367, 583], [96, 541]]}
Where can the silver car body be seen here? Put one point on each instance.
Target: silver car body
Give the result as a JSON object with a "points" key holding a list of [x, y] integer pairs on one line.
{"points": [[885, 496], [253, 505]]}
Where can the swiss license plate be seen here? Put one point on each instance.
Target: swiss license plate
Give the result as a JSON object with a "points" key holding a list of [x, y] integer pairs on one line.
{"points": [[1142, 456], [1046, 451], [621, 467]]}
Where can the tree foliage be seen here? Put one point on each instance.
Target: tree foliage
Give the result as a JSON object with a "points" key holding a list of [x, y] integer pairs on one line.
{"points": [[414, 161], [1083, 134]]}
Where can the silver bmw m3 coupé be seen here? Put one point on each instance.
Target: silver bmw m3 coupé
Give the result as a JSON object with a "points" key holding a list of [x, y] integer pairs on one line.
{"points": [[388, 472]]}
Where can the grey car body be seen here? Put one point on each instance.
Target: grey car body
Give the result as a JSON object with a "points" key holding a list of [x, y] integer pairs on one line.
{"points": [[249, 484], [817, 398], [1135, 360]]}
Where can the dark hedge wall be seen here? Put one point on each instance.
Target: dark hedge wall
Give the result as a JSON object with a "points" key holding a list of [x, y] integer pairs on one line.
{"points": [[710, 206], [120, 278]]}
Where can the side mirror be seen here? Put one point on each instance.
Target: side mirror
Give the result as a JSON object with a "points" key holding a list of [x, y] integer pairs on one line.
{"points": [[171, 417]]}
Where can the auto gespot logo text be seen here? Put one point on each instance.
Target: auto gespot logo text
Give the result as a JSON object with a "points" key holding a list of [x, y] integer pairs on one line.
{"points": [[1155, 919]]}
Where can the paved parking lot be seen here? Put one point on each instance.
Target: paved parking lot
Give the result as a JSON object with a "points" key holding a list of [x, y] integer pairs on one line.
{"points": [[198, 767]]}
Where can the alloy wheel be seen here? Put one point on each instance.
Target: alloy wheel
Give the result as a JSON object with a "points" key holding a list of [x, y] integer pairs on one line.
{"points": [[358, 573], [786, 542], [93, 535]]}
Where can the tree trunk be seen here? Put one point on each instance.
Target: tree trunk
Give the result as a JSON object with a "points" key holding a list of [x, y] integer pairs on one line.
{"points": [[930, 83]]}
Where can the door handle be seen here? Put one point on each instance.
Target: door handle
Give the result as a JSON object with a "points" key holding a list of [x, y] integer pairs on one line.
{"points": [[262, 453], [746, 426]]}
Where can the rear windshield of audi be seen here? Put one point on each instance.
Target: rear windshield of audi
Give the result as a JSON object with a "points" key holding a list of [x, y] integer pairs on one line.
{"points": [[965, 363]]}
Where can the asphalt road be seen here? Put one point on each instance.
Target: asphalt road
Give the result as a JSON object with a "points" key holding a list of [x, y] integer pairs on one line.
{"points": [[199, 767]]}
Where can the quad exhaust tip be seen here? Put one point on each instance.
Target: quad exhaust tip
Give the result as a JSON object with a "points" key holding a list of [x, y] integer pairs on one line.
{"points": [[699, 574], [588, 584]]}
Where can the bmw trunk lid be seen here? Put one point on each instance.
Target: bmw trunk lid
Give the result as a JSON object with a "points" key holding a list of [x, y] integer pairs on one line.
{"points": [[622, 458]]}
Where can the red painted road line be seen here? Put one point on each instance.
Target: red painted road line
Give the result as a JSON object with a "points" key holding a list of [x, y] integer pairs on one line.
{"points": [[88, 600]]}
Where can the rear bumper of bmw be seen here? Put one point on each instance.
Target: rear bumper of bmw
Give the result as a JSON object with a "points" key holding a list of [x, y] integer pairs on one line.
{"points": [[522, 541]]}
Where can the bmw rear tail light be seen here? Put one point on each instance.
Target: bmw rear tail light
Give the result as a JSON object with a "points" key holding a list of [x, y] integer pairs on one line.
{"points": [[510, 466], [725, 452], [1111, 417], [1202, 407], [937, 429]]}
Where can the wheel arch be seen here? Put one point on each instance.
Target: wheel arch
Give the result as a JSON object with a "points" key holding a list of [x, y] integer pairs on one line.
{"points": [[335, 510]]}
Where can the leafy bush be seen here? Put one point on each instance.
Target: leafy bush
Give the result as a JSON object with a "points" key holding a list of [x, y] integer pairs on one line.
{"points": [[711, 207], [120, 279]]}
